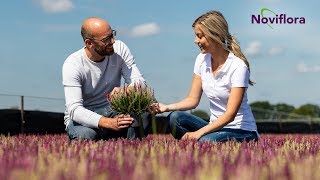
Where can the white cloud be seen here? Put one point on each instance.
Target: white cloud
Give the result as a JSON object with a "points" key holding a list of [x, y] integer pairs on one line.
{"points": [[147, 29], [303, 68], [275, 51], [253, 49], [55, 6]]}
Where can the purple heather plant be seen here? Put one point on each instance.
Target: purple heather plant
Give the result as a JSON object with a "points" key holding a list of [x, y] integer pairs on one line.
{"points": [[133, 100], [295, 156]]}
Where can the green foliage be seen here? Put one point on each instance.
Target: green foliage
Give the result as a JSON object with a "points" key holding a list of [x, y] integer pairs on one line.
{"points": [[265, 110], [286, 111], [308, 110], [262, 105], [284, 107], [201, 114], [132, 100]]}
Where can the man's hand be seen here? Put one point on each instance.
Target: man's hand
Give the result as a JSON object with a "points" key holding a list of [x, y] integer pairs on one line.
{"points": [[117, 123], [115, 90]]}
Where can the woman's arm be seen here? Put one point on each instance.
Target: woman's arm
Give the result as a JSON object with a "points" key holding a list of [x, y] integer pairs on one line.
{"points": [[234, 102], [189, 102]]}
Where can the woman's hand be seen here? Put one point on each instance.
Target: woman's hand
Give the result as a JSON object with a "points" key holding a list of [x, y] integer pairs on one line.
{"points": [[158, 108], [192, 135]]}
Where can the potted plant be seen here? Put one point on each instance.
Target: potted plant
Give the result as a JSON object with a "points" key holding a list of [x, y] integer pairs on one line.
{"points": [[134, 100]]}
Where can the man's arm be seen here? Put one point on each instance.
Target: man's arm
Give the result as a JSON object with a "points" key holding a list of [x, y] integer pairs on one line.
{"points": [[74, 104], [73, 97], [129, 69]]}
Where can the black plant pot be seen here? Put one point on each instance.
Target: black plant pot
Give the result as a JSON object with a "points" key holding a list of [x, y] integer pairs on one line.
{"points": [[137, 127]]}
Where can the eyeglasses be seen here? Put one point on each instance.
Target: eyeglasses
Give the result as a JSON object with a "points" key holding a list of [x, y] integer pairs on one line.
{"points": [[107, 39]]}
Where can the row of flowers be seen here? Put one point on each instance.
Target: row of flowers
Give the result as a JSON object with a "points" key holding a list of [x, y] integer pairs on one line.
{"points": [[159, 157]]}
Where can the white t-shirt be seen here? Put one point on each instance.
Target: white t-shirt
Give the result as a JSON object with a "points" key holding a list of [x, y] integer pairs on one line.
{"points": [[86, 82], [234, 73]]}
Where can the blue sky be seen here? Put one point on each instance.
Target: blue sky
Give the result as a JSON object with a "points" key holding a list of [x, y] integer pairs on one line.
{"points": [[38, 35]]}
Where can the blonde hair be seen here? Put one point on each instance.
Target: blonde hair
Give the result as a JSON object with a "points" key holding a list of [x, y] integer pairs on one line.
{"points": [[215, 26]]}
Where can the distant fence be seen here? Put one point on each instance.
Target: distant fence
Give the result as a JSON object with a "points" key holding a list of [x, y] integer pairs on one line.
{"points": [[13, 122], [25, 105], [37, 103], [32, 114], [272, 121], [265, 115]]}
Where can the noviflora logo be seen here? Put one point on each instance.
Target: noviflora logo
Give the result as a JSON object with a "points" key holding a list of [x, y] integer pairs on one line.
{"points": [[277, 19]]}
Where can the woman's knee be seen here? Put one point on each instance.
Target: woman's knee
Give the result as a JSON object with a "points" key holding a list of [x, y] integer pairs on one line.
{"points": [[205, 139], [250, 137], [222, 136], [174, 117]]}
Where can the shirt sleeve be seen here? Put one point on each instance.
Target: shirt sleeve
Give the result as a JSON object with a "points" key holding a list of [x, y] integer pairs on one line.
{"points": [[240, 77], [71, 79], [129, 69], [197, 64]]}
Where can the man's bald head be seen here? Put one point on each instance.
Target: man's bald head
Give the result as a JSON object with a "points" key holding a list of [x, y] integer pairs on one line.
{"points": [[93, 27]]}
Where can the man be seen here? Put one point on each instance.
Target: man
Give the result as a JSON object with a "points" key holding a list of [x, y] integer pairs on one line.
{"points": [[88, 75]]}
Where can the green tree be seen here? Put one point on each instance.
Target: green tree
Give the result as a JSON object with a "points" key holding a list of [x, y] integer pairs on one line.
{"points": [[284, 107], [201, 114], [262, 105], [308, 110], [259, 109], [284, 110]]}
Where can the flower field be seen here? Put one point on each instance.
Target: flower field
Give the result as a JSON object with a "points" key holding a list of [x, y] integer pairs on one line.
{"points": [[159, 157]]}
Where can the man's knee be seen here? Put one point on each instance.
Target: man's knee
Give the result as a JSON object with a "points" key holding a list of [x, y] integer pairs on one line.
{"points": [[82, 132]]}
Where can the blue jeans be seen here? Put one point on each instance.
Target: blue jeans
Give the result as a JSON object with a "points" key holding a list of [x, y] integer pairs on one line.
{"points": [[183, 122], [78, 131]]}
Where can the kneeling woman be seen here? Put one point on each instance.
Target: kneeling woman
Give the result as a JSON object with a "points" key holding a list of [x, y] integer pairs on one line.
{"points": [[222, 72]]}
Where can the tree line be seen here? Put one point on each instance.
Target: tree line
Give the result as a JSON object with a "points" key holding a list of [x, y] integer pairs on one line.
{"points": [[287, 111], [266, 110]]}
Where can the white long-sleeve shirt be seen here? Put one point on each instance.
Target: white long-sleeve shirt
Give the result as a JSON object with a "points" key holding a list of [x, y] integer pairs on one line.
{"points": [[86, 82]]}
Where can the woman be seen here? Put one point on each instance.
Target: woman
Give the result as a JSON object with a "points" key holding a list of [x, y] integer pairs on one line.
{"points": [[222, 72]]}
